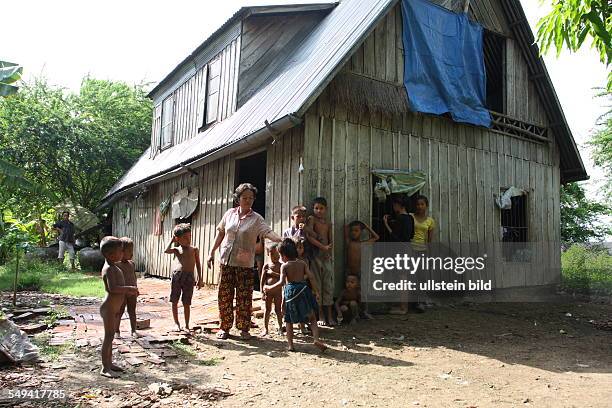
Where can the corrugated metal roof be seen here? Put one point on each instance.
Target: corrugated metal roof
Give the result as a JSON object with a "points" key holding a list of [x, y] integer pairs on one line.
{"points": [[296, 83]]}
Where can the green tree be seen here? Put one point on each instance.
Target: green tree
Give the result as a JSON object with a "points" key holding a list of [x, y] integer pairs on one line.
{"points": [[74, 145], [581, 217], [571, 22], [602, 148]]}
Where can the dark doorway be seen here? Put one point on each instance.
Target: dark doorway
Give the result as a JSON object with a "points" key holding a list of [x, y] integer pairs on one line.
{"points": [[252, 169]]}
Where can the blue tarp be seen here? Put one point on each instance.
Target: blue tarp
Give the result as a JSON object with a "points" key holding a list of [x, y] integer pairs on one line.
{"points": [[444, 67]]}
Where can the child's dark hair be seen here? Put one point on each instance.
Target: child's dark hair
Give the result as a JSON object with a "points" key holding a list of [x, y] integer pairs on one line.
{"points": [[181, 229], [127, 242], [65, 212], [356, 224], [422, 197], [109, 244], [288, 248], [399, 200], [320, 200]]}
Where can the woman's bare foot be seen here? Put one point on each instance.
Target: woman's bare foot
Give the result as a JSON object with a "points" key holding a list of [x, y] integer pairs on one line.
{"points": [[290, 348], [280, 331], [115, 367], [135, 335], [332, 322], [177, 328], [117, 335], [107, 372], [264, 333], [320, 346], [322, 323]]}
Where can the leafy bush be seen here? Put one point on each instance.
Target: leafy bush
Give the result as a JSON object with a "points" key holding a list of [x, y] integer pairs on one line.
{"points": [[587, 268]]}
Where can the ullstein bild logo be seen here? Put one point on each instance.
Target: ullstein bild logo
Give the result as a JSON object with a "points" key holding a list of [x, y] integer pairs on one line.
{"points": [[397, 272]]}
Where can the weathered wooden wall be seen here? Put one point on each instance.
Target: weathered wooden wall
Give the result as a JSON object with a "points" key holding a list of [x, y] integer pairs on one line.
{"points": [[216, 182], [266, 42], [467, 166], [186, 107], [467, 169]]}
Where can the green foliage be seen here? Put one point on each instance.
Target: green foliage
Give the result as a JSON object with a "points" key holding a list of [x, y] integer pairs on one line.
{"points": [[571, 22], [15, 237], [75, 145], [580, 217], [9, 74], [602, 148], [51, 278], [587, 269], [55, 314]]}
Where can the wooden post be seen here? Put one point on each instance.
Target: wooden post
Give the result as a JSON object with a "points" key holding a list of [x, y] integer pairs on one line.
{"points": [[466, 6], [16, 277]]}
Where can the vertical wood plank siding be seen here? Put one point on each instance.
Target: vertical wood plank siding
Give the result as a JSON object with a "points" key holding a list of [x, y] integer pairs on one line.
{"points": [[467, 167], [185, 124], [216, 184]]}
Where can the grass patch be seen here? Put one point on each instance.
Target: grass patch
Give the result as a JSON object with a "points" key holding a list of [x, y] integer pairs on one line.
{"points": [[55, 314], [51, 353], [186, 351], [51, 278], [586, 270]]}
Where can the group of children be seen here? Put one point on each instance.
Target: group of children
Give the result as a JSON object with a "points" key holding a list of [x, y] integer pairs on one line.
{"points": [[120, 283], [298, 281]]}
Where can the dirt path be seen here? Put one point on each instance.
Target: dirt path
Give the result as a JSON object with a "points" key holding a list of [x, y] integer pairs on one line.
{"points": [[486, 355]]}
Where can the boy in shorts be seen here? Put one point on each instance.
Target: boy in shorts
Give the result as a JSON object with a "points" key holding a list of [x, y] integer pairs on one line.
{"points": [[186, 259]]}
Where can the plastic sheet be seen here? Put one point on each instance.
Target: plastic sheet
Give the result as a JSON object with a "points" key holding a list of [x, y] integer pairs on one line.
{"points": [[15, 345]]}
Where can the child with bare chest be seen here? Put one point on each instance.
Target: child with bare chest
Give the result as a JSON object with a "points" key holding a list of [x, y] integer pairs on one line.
{"points": [[270, 276], [186, 262], [116, 292], [299, 302]]}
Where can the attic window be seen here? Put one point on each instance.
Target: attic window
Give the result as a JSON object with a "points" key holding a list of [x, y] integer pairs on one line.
{"points": [[494, 54], [166, 123]]}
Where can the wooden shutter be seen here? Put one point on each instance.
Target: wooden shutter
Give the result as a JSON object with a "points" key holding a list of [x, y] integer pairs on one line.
{"points": [[167, 121], [214, 84], [156, 129], [201, 106]]}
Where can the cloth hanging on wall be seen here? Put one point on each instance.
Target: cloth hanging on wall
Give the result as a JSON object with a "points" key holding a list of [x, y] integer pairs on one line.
{"points": [[398, 182], [444, 70]]}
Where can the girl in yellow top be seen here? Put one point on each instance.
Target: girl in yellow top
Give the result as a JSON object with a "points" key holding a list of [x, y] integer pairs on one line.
{"points": [[424, 225]]}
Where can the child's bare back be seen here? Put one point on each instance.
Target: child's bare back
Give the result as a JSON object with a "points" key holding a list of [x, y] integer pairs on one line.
{"points": [[295, 270]]}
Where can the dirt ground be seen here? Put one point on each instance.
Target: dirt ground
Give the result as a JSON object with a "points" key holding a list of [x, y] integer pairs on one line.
{"points": [[463, 355]]}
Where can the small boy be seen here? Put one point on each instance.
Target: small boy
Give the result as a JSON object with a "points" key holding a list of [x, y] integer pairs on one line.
{"points": [[186, 259], [319, 234], [271, 275], [349, 300], [116, 291], [352, 236], [129, 275]]}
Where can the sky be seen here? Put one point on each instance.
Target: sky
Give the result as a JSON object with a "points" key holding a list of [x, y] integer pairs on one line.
{"points": [[140, 41]]}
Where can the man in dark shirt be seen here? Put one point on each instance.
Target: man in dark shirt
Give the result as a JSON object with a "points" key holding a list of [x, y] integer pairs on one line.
{"points": [[66, 237]]}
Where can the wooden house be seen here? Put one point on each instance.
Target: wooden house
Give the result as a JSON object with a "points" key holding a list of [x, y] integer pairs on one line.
{"points": [[306, 100]]}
